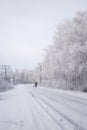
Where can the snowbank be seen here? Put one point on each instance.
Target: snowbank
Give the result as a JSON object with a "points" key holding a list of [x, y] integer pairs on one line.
{"points": [[4, 85]]}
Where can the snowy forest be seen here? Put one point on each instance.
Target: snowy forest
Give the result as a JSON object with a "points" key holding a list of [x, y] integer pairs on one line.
{"points": [[65, 60]]}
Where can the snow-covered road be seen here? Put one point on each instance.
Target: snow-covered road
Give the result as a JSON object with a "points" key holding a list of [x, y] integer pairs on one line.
{"points": [[28, 108]]}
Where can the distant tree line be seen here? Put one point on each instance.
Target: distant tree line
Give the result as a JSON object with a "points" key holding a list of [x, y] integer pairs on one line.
{"points": [[23, 77], [5, 78]]}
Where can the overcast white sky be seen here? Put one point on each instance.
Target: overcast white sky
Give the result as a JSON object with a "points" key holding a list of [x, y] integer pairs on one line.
{"points": [[28, 26]]}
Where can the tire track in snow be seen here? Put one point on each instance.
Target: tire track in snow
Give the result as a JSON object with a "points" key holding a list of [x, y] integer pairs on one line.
{"points": [[58, 122], [45, 125], [65, 103], [32, 112], [79, 127], [67, 96]]}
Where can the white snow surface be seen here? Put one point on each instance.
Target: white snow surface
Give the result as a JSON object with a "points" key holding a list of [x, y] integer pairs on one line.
{"points": [[28, 108]]}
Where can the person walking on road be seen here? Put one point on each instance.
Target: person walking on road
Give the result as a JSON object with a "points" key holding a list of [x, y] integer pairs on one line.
{"points": [[35, 84]]}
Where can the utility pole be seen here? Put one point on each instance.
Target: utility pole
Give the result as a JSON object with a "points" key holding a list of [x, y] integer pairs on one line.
{"points": [[5, 68], [40, 66]]}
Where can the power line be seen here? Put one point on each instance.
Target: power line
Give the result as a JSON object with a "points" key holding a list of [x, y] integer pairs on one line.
{"points": [[5, 68]]}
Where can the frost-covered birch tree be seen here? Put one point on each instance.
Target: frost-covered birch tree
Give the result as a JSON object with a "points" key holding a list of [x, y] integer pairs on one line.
{"points": [[65, 61]]}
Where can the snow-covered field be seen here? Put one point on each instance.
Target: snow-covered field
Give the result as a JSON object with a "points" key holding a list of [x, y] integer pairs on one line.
{"points": [[29, 108]]}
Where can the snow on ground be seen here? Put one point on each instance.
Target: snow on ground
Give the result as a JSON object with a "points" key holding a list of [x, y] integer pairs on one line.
{"points": [[77, 94], [29, 108], [14, 110], [18, 111]]}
